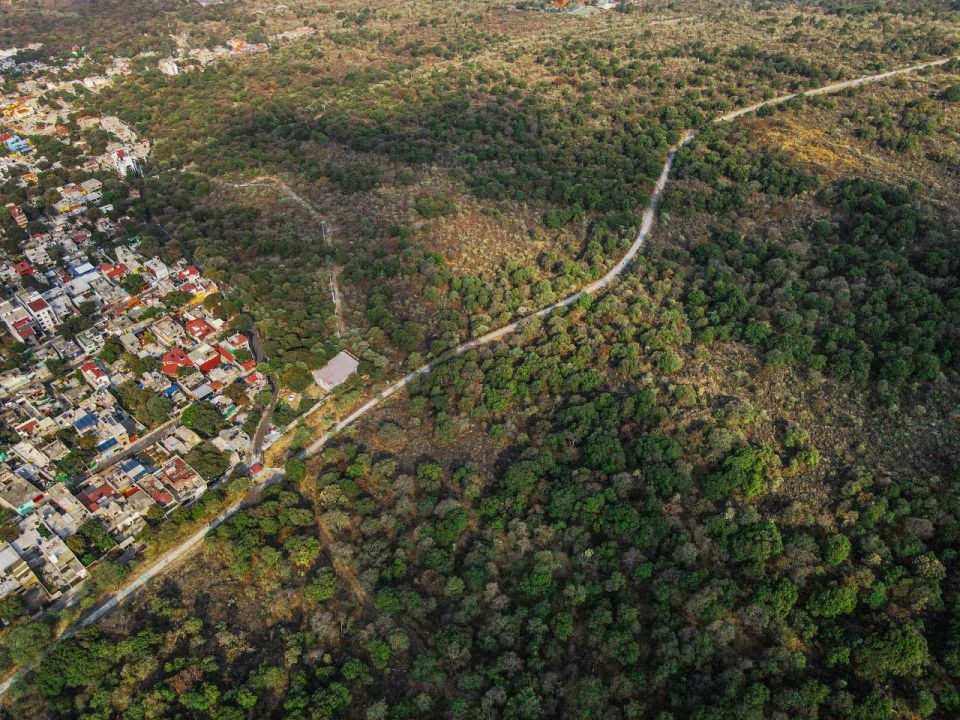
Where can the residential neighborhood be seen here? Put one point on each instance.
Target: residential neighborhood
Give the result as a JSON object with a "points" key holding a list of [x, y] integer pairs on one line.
{"points": [[125, 392]]}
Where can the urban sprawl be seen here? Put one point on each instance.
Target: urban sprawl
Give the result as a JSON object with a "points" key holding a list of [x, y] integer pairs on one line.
{"points": [[125, 389]]}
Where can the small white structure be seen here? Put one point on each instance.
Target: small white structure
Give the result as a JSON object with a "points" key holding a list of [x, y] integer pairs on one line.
{"points": [[125, 163], [157, 268], [335, 372], [41, 312], [168, 66], [15, 575]]}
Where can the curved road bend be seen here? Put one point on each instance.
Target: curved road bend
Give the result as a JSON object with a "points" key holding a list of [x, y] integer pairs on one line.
{"points": [[646, 226], [614, 273]]}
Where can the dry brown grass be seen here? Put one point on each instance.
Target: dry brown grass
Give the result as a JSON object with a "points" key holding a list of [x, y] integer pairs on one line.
{"points": [[821, 137]]}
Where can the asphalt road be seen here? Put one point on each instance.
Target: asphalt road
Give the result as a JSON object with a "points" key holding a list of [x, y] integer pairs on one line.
{"points": [[649, 216], [158, 433]]}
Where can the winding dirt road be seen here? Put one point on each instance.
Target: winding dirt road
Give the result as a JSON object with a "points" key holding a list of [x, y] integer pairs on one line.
{"points": [[617, 270], [649, 217]]}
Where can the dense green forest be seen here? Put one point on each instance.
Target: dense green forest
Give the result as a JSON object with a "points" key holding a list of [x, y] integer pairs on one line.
{"points": [[814, 298], [563, 526], [649, 505], [565, 139]]}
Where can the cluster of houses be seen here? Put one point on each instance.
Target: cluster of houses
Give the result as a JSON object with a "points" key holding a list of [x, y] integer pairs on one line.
{"points": [[40, 294], [27, 111], [101, 335], [190, 59], [40, 560], [574, 7], [194, 59], [194, 357], [91, 314]]}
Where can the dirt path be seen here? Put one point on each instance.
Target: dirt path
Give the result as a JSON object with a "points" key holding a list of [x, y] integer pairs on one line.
{"points": [[332, 270], [649, 216], [263, 427], [344, 570]]}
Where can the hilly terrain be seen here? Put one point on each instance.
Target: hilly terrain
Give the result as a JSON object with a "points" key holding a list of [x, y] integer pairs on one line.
{"points": [[721, 484]]}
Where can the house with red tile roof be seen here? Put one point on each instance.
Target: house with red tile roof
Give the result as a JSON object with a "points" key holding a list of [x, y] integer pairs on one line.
{"points": [[157, 492], [205, 357], [24, 328], [229, 347], [18, 320], [114, 272], [188, 273], [94, 375], [94, 498], [237, 341], [199, 329], [175, 359], [182, 480], [42, 313], [27, 429], [17, 214]]}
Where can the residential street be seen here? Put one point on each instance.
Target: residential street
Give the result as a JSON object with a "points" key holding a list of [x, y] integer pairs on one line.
{"points": [[256, 343], [158, 433]]}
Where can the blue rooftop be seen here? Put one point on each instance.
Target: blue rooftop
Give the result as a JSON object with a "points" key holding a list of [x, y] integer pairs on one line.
{"points": [[107, 444], [133, 468], [87, 421]]}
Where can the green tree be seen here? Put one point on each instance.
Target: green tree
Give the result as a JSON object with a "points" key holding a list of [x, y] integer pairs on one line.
{"points": [[296, 378], [745, 472], [203, 418], [900, 651], [323, 587], [295, 469], [208, 460], [11, 608], [26, 643], [838, 548], [834, 601], [408, 337]]}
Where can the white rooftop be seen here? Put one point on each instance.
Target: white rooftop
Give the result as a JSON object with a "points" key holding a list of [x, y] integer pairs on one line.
{"points": [[335, 372]]}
